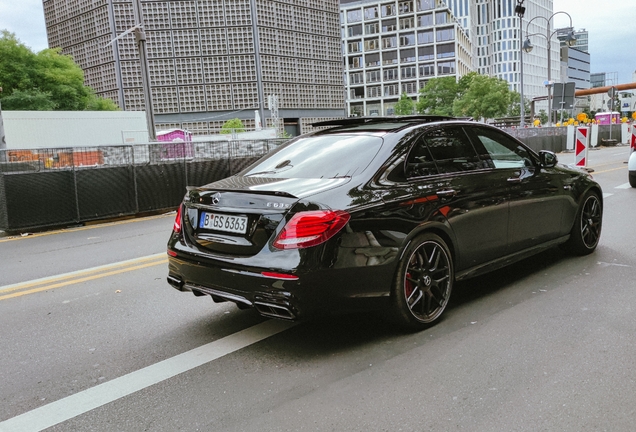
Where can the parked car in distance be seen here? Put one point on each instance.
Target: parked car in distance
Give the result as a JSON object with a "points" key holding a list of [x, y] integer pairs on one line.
{"points": [[631, 163], [378, 213]]}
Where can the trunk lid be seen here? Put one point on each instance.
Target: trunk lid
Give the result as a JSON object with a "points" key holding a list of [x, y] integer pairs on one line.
{"points": [[238, 215]]}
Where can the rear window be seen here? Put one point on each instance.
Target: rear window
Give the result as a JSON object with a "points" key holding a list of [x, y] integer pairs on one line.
{"points": [[319, 157]]}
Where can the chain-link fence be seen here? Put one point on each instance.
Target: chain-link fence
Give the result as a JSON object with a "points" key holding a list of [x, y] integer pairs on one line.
{"points": [[48, 187]]}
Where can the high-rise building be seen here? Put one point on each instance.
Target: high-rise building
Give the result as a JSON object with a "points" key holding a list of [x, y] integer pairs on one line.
{"points": [[209, 60], [497, 36], [582, 38], [395, 47]]}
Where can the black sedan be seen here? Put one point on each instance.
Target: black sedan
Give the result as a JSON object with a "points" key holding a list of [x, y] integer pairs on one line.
{"points": [[378, 213]]}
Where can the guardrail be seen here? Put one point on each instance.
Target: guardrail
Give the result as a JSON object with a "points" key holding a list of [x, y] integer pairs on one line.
{"points": [[55, 187]]}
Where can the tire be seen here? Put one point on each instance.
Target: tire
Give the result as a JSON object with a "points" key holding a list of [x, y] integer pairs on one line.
{"points": [[632, 179], [586, 231], [423, 283]]}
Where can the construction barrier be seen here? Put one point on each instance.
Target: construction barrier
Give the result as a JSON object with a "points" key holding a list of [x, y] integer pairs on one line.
{"points": [[581, 146]]}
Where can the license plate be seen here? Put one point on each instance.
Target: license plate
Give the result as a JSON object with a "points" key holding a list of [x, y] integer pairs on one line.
{"points": [[221, 222]]}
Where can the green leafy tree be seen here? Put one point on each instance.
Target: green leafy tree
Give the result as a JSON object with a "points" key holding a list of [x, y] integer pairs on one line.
{"points": [[232, 126], [47, 80], [485, 97], [514, 106], [543, 116], [437, 96], [405, 106]]}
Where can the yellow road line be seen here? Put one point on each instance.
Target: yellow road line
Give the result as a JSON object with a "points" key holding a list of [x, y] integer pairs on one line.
{"points": [[609, 170], [79, 277], [84, 228]]}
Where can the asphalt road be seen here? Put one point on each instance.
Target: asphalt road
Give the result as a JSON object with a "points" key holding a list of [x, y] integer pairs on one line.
{"points": [[94, 339]]}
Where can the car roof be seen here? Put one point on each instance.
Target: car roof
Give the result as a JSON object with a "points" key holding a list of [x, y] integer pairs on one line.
{"points": [[382, 124]]}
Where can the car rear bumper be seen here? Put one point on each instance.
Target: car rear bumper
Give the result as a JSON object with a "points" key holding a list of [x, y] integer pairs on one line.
{"points": [[312, 293]]}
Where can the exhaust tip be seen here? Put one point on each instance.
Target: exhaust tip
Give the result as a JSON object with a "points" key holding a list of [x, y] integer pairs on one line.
{"points": [[274, 311], [175, 282]]}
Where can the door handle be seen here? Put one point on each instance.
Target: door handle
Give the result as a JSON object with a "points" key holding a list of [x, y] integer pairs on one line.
{"points": [[446, 193]]}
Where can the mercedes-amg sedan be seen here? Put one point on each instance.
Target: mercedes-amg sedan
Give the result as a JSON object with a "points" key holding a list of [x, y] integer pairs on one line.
{"points": [[378, 213]]}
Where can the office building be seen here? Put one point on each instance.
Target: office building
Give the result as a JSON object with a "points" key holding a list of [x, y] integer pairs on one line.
{"points": [[582, 38], [395, 47], [209, 60]]}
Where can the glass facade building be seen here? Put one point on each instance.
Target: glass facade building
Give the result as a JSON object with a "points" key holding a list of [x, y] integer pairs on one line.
{"points": [[395, 47]]}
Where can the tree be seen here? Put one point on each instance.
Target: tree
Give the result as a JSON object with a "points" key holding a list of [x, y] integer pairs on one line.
{"points": [[485, 97], [543, 116], [47, 80], [437, 96], [514, 106], [232, 126], [404, 106]]}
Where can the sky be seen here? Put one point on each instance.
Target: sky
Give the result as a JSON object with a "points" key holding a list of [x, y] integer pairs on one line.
{"points": [[610, 24]]}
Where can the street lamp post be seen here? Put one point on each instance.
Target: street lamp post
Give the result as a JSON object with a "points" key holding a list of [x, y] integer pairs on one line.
{"points": [[527, 47], [520, 10]]}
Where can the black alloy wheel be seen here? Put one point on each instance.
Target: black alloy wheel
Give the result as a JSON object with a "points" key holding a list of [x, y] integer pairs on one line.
{"points": [[424, 282], [586, 231]]}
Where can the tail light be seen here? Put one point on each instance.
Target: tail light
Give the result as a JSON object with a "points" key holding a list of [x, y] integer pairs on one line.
{"points": [[177, 221], [311, 228]]}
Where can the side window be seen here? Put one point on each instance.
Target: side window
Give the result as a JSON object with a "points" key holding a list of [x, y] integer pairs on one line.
{"points": [[503, 151], [442, 151]]}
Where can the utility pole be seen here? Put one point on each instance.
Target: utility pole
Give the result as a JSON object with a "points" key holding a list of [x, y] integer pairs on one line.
{"points": [[3, 141], [140, 39]]}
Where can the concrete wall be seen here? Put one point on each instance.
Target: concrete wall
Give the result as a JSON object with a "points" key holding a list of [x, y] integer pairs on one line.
{"points": [[59, 129]]}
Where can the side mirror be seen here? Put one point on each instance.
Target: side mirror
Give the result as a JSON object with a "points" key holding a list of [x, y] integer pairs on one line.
{"points": [[548, 159]]}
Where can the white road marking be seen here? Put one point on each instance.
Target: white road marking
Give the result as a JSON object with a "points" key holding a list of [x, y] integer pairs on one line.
{"points": [[623, 186], [605, 195], [95, 397]]}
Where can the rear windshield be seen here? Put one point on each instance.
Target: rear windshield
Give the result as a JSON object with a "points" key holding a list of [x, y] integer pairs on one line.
{"points": [[319, 157]]}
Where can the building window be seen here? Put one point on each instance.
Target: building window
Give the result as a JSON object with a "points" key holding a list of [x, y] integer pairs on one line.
{"points": [[354, 30], [372, 59], [408, 72], [388, 10], [374, 76], [426, 53], [371, 44], [374, 92], [407, 39], [391, 90], [354, 15], [446, 68], [389, 25], [372, 28], [356, 78], [423, 5], [425, 37], [407, 23], [405, 6], [355, 62], [409, 87], [370, 12], [354, 47], [442, 17], [445, 34], [391, 74], [389, 42], [425, 20], [389, 57], [427, 70], [407, 55], [445, 50]]}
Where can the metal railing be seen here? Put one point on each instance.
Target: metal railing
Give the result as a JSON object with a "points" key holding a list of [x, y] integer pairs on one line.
{"points": [[61, 186]]}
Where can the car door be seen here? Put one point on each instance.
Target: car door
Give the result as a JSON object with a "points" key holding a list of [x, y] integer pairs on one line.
{"points": [[536, 196], [443, 164]]}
